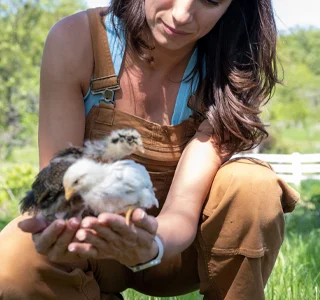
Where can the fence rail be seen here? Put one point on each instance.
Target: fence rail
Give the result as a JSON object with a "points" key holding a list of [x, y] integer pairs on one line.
{"points": [[294, 167]]}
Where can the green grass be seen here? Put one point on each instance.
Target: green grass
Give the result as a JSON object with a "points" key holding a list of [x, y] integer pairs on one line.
{"points": [[297, 272], [131, 294]]}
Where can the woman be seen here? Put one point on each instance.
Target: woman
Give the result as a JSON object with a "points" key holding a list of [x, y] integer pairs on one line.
{"points": [[221, 227]]}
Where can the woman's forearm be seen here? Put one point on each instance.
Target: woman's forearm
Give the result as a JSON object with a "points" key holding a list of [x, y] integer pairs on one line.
{"points": [[175, 233], [193, 178]]}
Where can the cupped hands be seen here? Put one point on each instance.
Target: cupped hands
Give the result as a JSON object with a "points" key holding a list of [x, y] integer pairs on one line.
{"points": [[102, 237]]}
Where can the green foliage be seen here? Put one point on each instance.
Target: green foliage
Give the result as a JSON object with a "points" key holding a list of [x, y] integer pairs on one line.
{"points": [[306, 216], [302, 46], [310, 189], [15, 181], [24, 25], [296, 104]]}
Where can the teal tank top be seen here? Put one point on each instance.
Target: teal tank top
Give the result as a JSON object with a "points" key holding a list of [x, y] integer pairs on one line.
{"points": [[117, 47]]}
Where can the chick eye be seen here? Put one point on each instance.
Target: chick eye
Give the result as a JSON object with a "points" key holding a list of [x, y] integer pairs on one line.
{"points": [[115, 140], [76, 182]]}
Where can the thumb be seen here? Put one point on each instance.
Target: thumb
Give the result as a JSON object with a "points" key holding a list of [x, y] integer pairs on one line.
{"points": [[33, 225], [144, 221]]}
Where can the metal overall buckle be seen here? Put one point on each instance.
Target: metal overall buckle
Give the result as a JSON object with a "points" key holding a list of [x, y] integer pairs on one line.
{"points": [[108, 92]]}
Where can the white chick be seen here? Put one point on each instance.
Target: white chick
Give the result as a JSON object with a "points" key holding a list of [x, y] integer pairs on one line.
{"points": [[117, 187]]}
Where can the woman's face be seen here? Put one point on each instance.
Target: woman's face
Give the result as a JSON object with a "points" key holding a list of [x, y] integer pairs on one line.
{"points": [[178, 24]]}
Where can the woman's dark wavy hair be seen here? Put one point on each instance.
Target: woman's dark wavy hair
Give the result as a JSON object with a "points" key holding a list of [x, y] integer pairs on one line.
{"points": [[241, 67]]}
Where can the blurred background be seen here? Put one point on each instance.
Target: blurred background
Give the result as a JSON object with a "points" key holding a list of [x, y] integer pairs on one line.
{"points": [[293, 115]]}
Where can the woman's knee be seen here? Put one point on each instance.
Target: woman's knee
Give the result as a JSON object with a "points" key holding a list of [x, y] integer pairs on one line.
{"points": [[15, 259], [25, 274], [244, 210], [249, 185], [242, 221]]}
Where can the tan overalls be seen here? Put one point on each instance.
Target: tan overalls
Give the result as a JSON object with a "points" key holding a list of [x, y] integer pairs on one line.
{"points": [[240, 231]]}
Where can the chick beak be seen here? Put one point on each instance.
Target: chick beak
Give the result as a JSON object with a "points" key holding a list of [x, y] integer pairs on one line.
{"points": [[141, 148], [68, 193]]}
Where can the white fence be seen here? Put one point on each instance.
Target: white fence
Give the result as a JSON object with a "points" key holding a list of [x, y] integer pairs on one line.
{"points": [[292, 167]]}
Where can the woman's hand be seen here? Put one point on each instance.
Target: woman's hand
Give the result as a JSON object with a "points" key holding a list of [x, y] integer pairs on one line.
{"points": [[52, 240], [108, 236]]}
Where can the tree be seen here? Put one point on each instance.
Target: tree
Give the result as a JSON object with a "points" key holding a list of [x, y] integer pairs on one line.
{"points": [[296, 103], [24, 25]]}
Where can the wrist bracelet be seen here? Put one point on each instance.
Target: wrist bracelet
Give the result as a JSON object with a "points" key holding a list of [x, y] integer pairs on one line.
{"points": [[153, 262]]}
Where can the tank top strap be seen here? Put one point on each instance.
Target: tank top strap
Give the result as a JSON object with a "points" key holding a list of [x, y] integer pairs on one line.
{"points": [[104, 80]]}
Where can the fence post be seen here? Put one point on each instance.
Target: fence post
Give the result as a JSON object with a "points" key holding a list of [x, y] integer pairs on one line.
{"points": [[297, 168]]}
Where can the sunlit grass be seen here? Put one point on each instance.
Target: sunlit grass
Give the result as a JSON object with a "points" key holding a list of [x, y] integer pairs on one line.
{"points": [[297, 272], [131, 294]]}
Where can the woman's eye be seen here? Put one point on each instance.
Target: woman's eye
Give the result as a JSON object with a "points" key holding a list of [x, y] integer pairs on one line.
{"points": [[215, 3]]}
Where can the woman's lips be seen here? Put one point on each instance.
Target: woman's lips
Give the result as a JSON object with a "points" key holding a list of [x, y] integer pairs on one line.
{"points": [[173, 31]]}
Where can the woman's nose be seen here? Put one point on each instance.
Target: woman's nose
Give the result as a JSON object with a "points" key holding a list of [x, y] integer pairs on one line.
{"points": [[182, 11]]}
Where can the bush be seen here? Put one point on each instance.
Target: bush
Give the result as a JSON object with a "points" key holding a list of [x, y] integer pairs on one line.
{"points": [[15, 180], [307, 212], [310, 191]]}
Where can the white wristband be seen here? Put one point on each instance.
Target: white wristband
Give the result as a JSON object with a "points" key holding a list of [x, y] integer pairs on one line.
{"points": [[153, 262]]}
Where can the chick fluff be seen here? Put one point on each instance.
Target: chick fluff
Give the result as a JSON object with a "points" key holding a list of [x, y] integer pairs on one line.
{"points": [[47, 194], [117, 187]]}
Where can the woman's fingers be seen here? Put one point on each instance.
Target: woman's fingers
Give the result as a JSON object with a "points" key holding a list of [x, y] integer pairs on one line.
{"points": [[84, 250], [144, 221], [33, 225], [108, 236], [118, 225], [54, 240], [102, 229], [141, 233], [46, 239], [92, 244], [103, 232], [113, 230], [60, 247]]}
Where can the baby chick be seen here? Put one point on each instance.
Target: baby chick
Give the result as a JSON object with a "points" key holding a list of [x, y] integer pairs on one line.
{"points": [[119, 144], [47, 194], [117, 187]]}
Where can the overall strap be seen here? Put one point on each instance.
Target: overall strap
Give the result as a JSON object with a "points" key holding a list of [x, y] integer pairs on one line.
{"points": [[196, 103], [104, 80]]}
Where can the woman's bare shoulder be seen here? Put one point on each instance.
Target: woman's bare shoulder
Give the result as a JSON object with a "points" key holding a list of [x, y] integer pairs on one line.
{"points": [[66, 70], [73, 28], [68, 46]]}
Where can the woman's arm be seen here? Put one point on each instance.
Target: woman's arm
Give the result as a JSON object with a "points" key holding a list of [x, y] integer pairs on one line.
{"points": [[66, 69], [195, 172]]}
